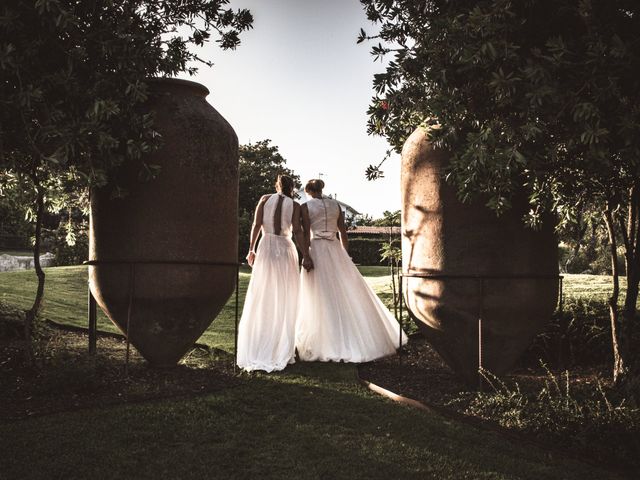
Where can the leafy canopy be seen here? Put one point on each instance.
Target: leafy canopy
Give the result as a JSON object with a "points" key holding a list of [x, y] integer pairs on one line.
{"points": [[537, 94], [73, 77]]}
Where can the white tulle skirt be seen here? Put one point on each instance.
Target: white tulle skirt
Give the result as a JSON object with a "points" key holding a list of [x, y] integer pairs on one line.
{"points": [[266, 334], [340, 318]]}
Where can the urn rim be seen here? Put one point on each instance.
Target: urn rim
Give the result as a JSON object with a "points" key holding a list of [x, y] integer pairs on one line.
{"points": [[178, 82]]}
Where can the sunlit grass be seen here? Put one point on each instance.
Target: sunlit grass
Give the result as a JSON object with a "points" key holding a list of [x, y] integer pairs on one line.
{"points": [[66, 299]]}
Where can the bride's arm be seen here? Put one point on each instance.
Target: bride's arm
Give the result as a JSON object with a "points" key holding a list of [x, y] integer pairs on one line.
{"points": [[342, 228], [305, 241], [298, 232], [255, 230]]}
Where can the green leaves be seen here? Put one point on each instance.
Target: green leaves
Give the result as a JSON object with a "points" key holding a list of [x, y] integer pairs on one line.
{"points": [[74, 80], [6, 55], [539, 96], [103, 110], [47, 6], [137, 91], [362, 36]]}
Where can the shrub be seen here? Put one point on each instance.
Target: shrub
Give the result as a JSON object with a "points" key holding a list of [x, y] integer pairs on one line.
{"points": [[590, 259], [68, 248], [582, 331], [366, 251], [585, 418]]}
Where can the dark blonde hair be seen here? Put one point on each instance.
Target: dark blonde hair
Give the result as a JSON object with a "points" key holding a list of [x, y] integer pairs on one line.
{"points": [[285, 185], [314, 186]]}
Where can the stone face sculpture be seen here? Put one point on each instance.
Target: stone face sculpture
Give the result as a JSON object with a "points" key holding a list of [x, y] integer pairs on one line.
{"points": [[442, 236], [188, 214]]}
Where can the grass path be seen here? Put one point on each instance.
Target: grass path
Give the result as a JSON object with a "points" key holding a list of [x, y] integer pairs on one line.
{"points": [[312, 421]]}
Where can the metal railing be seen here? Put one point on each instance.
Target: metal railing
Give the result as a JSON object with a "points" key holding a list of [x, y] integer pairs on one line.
{"points": [[92, 309], [481, 279]]}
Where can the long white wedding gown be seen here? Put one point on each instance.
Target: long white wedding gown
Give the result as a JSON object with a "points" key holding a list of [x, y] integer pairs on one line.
{"points": [[340, 318], [266, 334]]}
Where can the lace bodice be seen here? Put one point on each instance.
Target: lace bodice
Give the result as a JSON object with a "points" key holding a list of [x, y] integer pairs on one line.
{"points": [[269, 210], [323, 215]]}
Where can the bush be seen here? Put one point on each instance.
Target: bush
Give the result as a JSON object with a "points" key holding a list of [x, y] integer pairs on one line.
{"points": [[366, 251], [57, 242], [590, 259], [586, 419], [582, 332], [72, 254]]}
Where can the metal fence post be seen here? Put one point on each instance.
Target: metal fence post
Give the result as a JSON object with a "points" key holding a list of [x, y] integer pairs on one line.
{"points": [[235, 330], [93, 321], [480, 315], [401, 278], [132, 280]]}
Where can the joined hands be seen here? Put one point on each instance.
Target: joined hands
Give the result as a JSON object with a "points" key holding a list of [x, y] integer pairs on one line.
{"points": [[307, 263]]}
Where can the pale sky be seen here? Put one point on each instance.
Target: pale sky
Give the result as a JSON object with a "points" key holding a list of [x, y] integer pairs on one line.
{"points": [[300, 79]]}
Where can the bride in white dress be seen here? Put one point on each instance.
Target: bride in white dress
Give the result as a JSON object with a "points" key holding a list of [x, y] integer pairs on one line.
{"points": [[340, 318], [266, 334]]}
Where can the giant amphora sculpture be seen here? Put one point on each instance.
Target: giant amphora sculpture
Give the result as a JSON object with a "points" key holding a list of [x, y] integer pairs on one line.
{"points": [[478, 273], [173, 227]]}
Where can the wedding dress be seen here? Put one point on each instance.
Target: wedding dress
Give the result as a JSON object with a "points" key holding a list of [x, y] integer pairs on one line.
{"points": [[340, 318], [266, 334]]}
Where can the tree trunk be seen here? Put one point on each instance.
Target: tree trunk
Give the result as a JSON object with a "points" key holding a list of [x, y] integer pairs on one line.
{"points": [[618, 363], [632, 263], [32, 313]]}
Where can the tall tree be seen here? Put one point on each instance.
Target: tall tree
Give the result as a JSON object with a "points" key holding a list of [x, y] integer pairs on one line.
{"points": [[538, 96], [72, 84], [260, 165]]}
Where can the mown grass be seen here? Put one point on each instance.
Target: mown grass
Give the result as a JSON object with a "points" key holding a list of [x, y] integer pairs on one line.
{"points": [[593, 287], [311, 421], [66, 299]]}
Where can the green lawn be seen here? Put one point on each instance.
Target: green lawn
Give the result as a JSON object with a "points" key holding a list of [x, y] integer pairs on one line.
{"points": [[311, 421], [591, 286], [66, 299]]}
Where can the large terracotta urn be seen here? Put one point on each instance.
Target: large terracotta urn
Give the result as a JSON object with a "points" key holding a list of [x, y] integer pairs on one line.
{"points": [[187, 215], [486, 285]]}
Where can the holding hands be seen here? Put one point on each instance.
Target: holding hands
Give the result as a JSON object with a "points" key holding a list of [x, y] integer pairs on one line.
{"points": [[307, 263]]}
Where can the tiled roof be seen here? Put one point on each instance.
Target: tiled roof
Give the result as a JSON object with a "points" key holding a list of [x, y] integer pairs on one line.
{"points": [[373, 231]]}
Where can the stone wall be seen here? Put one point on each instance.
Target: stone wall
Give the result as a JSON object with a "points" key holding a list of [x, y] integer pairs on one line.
{"points": [[9, 263]]}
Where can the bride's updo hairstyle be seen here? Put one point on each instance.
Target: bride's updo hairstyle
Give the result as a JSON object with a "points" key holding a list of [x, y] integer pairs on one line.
{"points": [[285, 185], [314, 186]]}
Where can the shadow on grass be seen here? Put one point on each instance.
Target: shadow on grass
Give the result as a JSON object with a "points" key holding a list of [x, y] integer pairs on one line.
{"points": [[307, 422]]}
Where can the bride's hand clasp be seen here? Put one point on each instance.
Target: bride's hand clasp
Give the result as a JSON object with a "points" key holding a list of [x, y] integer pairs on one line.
{"points": [[307, 264]]}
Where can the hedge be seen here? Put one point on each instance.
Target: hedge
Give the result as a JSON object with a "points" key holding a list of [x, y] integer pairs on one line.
{"points": [[366, 251]]}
